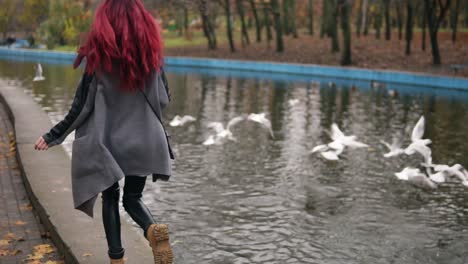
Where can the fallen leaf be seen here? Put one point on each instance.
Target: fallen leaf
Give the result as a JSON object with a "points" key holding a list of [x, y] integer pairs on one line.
{"points": [[44, 248], [9, 236], [4, 242], [19, 222]]}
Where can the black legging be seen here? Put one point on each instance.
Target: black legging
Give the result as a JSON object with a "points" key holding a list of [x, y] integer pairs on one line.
{"points": [[134, 206]]}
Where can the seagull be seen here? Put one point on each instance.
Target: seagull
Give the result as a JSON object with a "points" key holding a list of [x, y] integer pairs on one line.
{"points": [[180, 121], [320, 148], [261, 119], [446, 171], [376, 84], [416, 177], [332, 150], [221, 132], [418, 144], [38, 76], [340, 138], [293, 102], [394, 149]]}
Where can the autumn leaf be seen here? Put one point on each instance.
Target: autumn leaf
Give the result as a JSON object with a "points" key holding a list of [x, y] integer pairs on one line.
{"points": [[26, 207], [44, 248], [9, 236], [4, 242], [34, 256], [15, 252], [19, 222]]}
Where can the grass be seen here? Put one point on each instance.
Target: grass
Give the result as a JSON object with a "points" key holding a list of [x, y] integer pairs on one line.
{"points": [[171, 40]]}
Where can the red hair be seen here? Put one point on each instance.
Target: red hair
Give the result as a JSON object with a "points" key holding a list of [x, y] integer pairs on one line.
{"points": [[125, 32]]}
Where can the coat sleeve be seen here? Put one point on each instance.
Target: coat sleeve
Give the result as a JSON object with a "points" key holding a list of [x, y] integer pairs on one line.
{"points": [[78, 101]]}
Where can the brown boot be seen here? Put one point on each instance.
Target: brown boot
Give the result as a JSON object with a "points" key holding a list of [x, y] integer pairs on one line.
{"points": [[117, 261], [158, 237]]}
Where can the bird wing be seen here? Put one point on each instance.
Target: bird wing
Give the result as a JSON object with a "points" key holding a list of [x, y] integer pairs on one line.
{"points": [[386, 144], [418, 130], [319, 148], [187, 118], [234, 121], [217, 126], [175, 121], [336, 132], [330, 155]]}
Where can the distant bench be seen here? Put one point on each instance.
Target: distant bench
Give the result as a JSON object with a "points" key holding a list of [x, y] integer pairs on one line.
{"points": [[458, 67]]}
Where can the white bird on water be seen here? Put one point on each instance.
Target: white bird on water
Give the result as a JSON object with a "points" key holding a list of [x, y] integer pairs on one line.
{"points": [[418, 144], [340, 138], [38, 76], [394, 149], [261, 119], [445, 171], [293, 102], [221, 132], [416, 177], [332, 150], [180, 121]]}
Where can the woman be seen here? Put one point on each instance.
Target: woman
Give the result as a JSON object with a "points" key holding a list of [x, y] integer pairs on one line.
{"points": [[116, 113]]}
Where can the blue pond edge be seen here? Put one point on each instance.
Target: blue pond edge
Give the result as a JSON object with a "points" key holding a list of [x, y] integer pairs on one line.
{"points": [[384, 76]]}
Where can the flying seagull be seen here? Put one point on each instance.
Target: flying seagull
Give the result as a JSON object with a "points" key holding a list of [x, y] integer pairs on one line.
{"points": [[261, 119], [221, 132], [38, 76], [180, 121]]}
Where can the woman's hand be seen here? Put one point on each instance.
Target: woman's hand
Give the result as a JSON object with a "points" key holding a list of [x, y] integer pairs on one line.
{"points": [[41, 144]]}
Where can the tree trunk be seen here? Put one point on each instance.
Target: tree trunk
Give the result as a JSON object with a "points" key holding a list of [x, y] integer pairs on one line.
{"points": [[258, 24], [292, 18], [333, 25], [388, 26], [359, 18], [245, 34], [377, 25], [311, 17], [278, 26], [267, 21], [399, 19], [365, 15], [436, 12], [466, 12], [409, 27], [227, 10], [346, 27], [186, 22], [324, 18], [454, 20], [424, 27], [207, 24], [286, 27]]}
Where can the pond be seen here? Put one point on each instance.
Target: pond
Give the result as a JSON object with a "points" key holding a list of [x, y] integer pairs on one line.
{"points": [[268, 200]]}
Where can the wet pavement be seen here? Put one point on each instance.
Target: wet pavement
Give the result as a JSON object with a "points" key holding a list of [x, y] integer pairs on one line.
{"points": [[23, 239]]}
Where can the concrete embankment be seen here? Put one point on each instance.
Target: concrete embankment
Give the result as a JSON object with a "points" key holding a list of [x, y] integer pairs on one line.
{"points": [[385, 76], [46, 175]]}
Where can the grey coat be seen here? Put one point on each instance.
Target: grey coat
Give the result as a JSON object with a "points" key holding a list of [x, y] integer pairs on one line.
{"points": [[117, 134]]}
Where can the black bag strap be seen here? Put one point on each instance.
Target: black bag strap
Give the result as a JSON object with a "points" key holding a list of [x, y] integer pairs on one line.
{"points": [[162, 124]]}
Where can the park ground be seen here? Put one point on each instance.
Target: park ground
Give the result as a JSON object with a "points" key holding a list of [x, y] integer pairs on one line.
{"points": [[367, 52]]}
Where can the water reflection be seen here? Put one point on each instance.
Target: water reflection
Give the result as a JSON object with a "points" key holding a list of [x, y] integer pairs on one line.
{"points": [[263, 200]]}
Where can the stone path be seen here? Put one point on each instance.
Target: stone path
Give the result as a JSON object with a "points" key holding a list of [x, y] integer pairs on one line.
{"points": [[23, 238]]}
